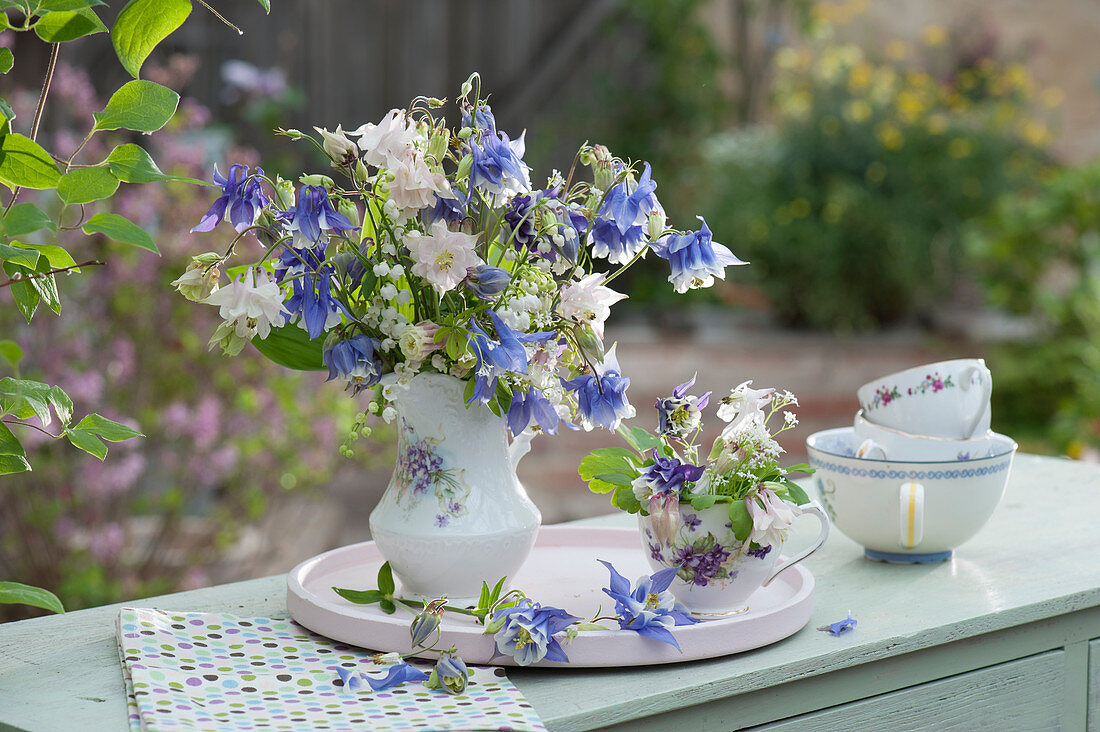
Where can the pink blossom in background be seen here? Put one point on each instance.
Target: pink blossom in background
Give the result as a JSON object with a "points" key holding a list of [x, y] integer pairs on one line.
{"points": [[106, 542]]}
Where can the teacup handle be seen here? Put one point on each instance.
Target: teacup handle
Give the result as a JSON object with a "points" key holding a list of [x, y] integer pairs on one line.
{"points": [[911, 515], [985, 378], [814, 510], [870, 450]]}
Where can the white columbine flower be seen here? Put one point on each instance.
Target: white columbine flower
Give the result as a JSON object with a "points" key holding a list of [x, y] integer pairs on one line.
{"points": [[443, 256], [771, 517], [338, 146], [743, 406], [251, 303], [588, 301], [384, 145], [415, 185]]}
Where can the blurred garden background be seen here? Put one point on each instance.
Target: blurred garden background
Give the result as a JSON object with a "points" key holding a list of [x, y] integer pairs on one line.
{"points": [[910, 181]]}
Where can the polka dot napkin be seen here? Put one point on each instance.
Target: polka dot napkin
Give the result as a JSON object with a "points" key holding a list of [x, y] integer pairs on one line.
{"points": [[209, 671]]}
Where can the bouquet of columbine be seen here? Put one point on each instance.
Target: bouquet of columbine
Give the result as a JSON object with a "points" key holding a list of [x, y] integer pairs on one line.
{"points": [[434, 253], [664, 470]]}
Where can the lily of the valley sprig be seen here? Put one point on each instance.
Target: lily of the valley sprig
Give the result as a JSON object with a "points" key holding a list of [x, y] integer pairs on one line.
{"points": [[661, 471], [423, 248]]}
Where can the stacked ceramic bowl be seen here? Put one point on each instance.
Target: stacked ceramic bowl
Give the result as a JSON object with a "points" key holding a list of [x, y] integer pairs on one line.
{"points": [[920, 471]]}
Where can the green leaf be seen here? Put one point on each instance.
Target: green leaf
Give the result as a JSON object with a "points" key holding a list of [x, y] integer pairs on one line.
{"points": [[607, 460], [143, 24], [483, 598], [701, 501], [290, 347], [25, 218], [26, 297], [107, 429], [387, 607], [131, 164], [139, 105], [385, 579], [740, 520], [120, 229], [616, 478], [9, 443], [51, 5], [13, 464], [88, 442], [85, 185], [598, 486], [495, 594], [624, 499], [62, 404], [11, 352], [68, 25], [46, 285], [7, 114], [266, 5], [359, 597], [25, 257], [7, 59], [55, 255], [24, 163], [794, 490], [25, 399], [18, 593], [640, 439]]}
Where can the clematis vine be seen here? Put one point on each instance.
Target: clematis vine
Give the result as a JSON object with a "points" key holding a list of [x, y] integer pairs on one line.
{"points": [[695, 258], [240, 203], [649, 608]]}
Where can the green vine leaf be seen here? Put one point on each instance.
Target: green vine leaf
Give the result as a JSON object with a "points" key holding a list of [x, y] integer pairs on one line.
{"points": [[62, 404], [7, 58], [359, 597], [120, 229], [53, 5], [7, 114], [106, 428], [24, 398], [25, 218], [142, 106], [87, 441], [26, 297], [24, 257], [131, 164], [18, 593], [142, 25], [9, 443], [290, 347], [55, 255], [85, 185], [25, 164], [266, 5], [67, 25], [11, 352], [13, 464]]}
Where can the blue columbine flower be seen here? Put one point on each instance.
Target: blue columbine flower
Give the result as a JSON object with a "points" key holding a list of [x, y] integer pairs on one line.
{"points": [[665, 477], [312, 216], [681, 414], [649, 609], [528, 405], [397, 674], [840, 626], [601, 397], [482, 120], [526, 632], [313, 302], [355, 361], [487, 281], [494, 358], [498, 166], [449, 210], [619, 231], [450, 673], [695, 258], [240, 202]]}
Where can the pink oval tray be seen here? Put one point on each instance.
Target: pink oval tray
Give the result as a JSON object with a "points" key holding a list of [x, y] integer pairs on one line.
{"points": [[561, 571]]}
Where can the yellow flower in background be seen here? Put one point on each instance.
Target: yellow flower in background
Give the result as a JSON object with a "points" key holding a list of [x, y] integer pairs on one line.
{"points": [[937, 123], [897, 50], [857, 111], [1019, 78], [1036, 133], [1051, 97], [859, 77], [910, 106], [960, 148], [934, 35], [889, 135]]}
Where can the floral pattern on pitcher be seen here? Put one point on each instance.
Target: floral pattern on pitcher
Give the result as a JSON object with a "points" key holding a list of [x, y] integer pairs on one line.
{"points": [[420, 469], [704, 559]]}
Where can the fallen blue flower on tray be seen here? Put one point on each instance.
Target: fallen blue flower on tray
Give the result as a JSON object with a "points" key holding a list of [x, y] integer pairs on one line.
{"points": [[840, 626]]}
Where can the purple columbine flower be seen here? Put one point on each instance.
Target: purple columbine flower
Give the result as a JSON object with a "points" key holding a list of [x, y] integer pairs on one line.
{"points": [[619, 231], [665, 477], [498, 166], [240, 202], [312, 216], [649, 608], [695, 258], [526, 632], [495, 358], [313, 301], [528, 405], [601, 397], [449, 210], [681, 414], [354, 361], [482, 120], [486, 281], [840, 626]]}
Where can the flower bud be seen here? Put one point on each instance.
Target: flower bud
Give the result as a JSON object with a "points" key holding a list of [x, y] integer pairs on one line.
{"points": [[199, 281], [349, 210], [464, 167], [338, 147], [284, 189], [487, 282], [317, 180], [426, 623], [437, 144], [589, 342], [450, 673]]}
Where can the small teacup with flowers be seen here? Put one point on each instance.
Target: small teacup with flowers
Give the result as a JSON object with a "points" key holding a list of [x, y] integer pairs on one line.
{"points": [[721, 520]]}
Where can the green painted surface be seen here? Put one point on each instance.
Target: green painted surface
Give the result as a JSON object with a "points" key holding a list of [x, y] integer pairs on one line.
{"points": [[1027, 583]]}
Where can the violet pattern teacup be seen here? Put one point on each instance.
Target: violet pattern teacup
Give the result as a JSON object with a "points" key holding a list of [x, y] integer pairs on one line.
{"points": [[718, 572], [945, 399]]}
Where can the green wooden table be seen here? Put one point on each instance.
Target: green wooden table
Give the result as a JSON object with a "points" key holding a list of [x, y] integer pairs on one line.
{"points": [[1005, 635]]}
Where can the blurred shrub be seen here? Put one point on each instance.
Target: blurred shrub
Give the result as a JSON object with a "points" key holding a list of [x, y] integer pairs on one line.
{"points": [[224, 436], [851, 203], [1040, 259]]}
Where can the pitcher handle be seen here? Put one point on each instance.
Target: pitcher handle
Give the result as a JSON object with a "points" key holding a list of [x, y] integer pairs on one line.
{"points": [[910, 515], [520, 446], [816, 511], [985, 378]]}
